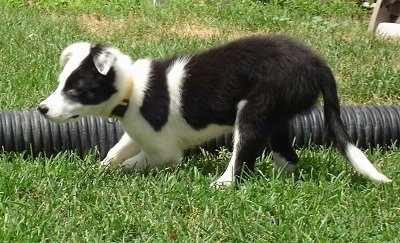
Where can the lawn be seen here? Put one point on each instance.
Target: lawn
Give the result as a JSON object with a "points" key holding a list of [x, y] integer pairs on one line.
{"points": [[68, 198]]}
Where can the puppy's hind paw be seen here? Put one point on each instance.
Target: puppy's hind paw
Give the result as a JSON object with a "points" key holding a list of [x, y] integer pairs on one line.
{"points": [[221, 184]]}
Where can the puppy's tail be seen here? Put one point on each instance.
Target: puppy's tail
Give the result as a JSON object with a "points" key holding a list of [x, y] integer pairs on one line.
{"points": [[337, 131]]}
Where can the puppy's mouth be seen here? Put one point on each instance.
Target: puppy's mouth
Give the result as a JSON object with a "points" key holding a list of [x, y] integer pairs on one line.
{"points": [[60, 119]]}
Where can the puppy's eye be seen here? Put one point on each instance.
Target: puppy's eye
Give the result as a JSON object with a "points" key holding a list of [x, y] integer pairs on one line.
{"points": [[72, 92]]}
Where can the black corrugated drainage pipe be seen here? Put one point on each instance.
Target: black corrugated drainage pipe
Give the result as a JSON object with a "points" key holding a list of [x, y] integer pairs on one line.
{"points": [[28, 131]]}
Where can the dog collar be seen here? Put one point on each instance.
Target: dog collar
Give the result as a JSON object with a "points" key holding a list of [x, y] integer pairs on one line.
{"points": [[120, 109]]}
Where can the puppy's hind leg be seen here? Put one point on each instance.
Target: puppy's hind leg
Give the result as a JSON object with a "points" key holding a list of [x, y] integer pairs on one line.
{"points": [[124, 149], [284, 155], [250, 136]]}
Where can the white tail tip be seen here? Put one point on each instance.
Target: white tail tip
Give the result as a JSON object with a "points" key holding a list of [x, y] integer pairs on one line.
{"points": [[361, 164]]}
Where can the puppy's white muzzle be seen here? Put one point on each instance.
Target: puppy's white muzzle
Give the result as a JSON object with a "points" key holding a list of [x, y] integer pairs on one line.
{"points": [[57, 109]]}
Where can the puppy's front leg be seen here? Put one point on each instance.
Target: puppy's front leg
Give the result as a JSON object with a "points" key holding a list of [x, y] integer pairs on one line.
{"points": [[159, 158], [123, 150], [139, 163]]}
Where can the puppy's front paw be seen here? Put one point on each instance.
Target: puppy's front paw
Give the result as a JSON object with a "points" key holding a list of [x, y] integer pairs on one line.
{"points": [[133, 164], [105, 162], [110, 163]]}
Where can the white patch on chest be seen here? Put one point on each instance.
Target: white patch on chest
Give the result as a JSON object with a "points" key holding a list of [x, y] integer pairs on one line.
{"points": [[175, 77]]}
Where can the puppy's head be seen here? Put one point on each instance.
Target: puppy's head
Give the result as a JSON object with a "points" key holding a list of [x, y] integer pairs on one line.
{"points": [[91, 82]]}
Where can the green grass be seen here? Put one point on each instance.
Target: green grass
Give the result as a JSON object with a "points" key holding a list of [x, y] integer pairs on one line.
{"points": [[66, 198]]}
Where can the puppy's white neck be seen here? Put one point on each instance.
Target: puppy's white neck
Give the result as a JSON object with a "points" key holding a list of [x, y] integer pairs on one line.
{"points": [[137, 74], [140, 71]]}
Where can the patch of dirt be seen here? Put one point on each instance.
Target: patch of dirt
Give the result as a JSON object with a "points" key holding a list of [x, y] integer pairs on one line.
{"points": [[100, 26], [194, 30]]}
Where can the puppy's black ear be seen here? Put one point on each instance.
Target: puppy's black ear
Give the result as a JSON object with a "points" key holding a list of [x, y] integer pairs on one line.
{"points": [[103, 61]]}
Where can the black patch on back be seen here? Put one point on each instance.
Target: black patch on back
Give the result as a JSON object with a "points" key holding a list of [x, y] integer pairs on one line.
{"points": [[86, 85], [155, 107], [278, 76]]}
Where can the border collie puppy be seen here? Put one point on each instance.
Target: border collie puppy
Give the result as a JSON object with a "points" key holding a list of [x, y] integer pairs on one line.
{"points": [[252, 87]]}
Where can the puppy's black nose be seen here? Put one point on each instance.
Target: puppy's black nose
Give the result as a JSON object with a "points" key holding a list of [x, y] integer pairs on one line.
{"points": [[43, 109]]}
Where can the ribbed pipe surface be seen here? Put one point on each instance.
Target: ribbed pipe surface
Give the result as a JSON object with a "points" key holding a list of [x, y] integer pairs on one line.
{"points": [[28, 131]]}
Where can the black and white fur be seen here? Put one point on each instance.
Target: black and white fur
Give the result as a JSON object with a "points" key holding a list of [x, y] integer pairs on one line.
{"points": [[251, 86]]}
